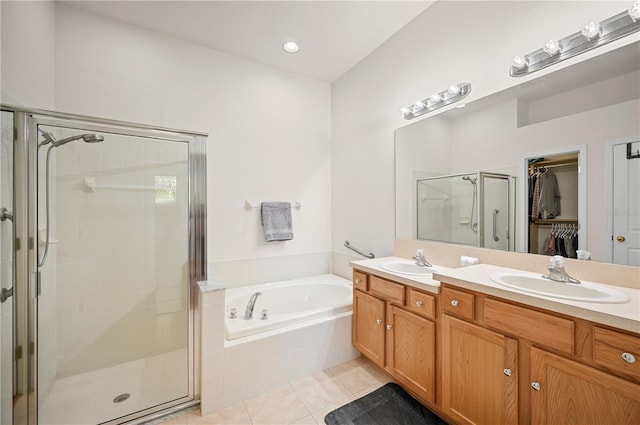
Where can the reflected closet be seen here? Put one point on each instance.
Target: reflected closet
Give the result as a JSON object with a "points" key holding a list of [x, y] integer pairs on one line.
{"points": [[553, 205]]}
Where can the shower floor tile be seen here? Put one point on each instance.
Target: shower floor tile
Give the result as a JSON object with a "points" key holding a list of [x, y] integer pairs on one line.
{"points": [[88, 398]]}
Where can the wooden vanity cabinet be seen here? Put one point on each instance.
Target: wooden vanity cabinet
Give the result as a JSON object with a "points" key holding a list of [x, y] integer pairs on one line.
{"points": [[396, 336], [508, 363], [479, 368]]}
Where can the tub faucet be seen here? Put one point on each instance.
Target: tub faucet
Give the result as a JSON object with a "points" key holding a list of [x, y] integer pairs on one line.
{"points": [[248, 313], [557, 271], [420, 260]]}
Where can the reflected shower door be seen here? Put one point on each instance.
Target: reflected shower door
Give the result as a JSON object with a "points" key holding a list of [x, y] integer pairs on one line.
{"points": [[495, 212], [114, 311], [7, 369]]}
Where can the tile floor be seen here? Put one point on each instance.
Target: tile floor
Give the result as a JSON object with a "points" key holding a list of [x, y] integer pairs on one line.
{"points": [[304, 402]]}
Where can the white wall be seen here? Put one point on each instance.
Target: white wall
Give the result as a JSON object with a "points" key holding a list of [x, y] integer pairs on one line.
{"points": [[28, 47], [445, 44], [269, 131]]}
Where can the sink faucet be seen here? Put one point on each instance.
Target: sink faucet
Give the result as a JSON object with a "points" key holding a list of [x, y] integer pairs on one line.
{"points": [[420, 260], [557, 271], [248, 313]]}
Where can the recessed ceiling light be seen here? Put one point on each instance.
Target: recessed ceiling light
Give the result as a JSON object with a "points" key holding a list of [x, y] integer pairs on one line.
{"points": [[291, 47]]}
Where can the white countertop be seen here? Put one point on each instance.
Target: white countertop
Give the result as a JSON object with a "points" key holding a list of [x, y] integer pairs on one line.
{"points": [[477, 278], [426, 283]]}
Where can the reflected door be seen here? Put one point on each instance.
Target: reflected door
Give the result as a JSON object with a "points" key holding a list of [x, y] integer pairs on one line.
{"points": [[112, 235], [626, 204]]}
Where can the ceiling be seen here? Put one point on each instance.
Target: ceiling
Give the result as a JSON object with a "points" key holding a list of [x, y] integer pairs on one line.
{"points": [[333, 35]]}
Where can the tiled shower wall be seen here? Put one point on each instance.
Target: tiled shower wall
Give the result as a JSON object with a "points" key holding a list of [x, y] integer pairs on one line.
{"points": [[122, 262]]}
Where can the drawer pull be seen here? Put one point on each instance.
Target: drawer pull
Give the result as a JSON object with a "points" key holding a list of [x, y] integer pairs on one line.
{"points": [[535, 386], [454, 303], [389, 327], [379, 322], [508, 372], [628, 357], [418, 303]]}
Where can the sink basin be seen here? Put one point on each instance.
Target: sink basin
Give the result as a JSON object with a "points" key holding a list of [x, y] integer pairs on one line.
{"points": [[585, 292], [407, 268]]}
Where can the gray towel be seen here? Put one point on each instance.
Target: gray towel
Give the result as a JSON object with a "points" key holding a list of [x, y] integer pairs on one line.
{"points": [[276, 221]]}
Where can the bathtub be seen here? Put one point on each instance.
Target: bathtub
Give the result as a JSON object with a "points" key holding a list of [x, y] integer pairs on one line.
{"points": [[287, 303]]}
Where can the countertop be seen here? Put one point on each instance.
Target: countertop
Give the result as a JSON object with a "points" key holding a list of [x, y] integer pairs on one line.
{"points": [[477, 278]]}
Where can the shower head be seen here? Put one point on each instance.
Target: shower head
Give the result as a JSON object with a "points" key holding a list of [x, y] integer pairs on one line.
{"points": [[88, 138], [470, 179]]}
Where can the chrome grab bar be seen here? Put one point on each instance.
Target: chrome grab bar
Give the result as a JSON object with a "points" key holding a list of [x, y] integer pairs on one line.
{"points": [[348, 245], [495, 220]]}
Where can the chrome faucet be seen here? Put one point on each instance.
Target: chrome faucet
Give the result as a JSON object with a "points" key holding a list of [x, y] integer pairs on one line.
{"points": [[420, 260], [248, 313], [557, 271]]}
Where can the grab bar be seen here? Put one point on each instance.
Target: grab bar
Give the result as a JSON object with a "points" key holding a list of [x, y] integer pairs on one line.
{"points": [[348, 245], [495, 220]]}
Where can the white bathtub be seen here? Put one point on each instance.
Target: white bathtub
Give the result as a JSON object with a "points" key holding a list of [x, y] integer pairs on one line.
{"points": [[287, 303]]}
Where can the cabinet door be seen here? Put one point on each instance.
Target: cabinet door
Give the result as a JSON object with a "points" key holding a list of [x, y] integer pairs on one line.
{"points": [[479, 374], [411, 351], [368, 326], [571, 393]]}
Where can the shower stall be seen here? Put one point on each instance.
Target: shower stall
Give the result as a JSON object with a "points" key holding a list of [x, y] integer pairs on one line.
{"points": [[103, 241], [471, 209]]}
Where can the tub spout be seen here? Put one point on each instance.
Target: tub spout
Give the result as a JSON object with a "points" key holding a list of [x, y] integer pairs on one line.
{"points": [[248, 313]]}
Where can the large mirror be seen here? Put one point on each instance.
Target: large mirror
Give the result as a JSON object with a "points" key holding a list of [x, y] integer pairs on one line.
{"points": [[588, 111]]}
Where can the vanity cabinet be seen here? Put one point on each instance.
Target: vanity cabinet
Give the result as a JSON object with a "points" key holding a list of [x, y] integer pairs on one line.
{"points": [[508, 363], [479, 371], [393, 326]]}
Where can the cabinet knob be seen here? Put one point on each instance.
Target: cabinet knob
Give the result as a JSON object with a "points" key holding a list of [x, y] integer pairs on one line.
{"points": [[418, 303], [508, 372], [358, 281], [379, 321], [628, 357], [389, 327], [535, 386], [454, 303]]}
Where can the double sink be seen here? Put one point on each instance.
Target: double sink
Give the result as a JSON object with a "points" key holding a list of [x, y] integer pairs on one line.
{"points": [[529, 283]]}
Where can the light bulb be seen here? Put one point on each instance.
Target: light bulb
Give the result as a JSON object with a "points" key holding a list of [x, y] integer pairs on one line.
{"points": [[551, 47], [291, 47], [634, 11], [404, 111], [435, 98], [418, 106], [591, 30], [519, 62], [453, 89]]}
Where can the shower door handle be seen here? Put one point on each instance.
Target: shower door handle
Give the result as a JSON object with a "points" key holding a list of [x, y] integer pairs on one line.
{"points": [[495, 223], [5, 294]]}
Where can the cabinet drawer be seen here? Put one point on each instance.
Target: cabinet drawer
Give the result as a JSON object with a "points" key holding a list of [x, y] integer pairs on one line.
{"points": [[390, 291], [421, 303], [542, 328], [360, 281], [617, 351], [458, 303]]}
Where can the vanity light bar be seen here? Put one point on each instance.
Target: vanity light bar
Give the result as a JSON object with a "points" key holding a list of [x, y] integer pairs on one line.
{"points": [[454, 93], [594, 34]]}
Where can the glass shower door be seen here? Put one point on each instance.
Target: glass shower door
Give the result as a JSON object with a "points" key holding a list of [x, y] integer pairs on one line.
{"points": [[113, 262], [496, 212], [7, 369]]}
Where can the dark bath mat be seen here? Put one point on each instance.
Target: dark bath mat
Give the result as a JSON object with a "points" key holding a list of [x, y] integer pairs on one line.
{"points": [[388, 405]]}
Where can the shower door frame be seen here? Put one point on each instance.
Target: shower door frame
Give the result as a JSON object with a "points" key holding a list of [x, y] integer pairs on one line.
{"points": [[26, 267]]}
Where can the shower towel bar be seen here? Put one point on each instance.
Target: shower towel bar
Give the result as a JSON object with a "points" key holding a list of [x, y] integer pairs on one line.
{"points": [[354, 249], [248, 205]]}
